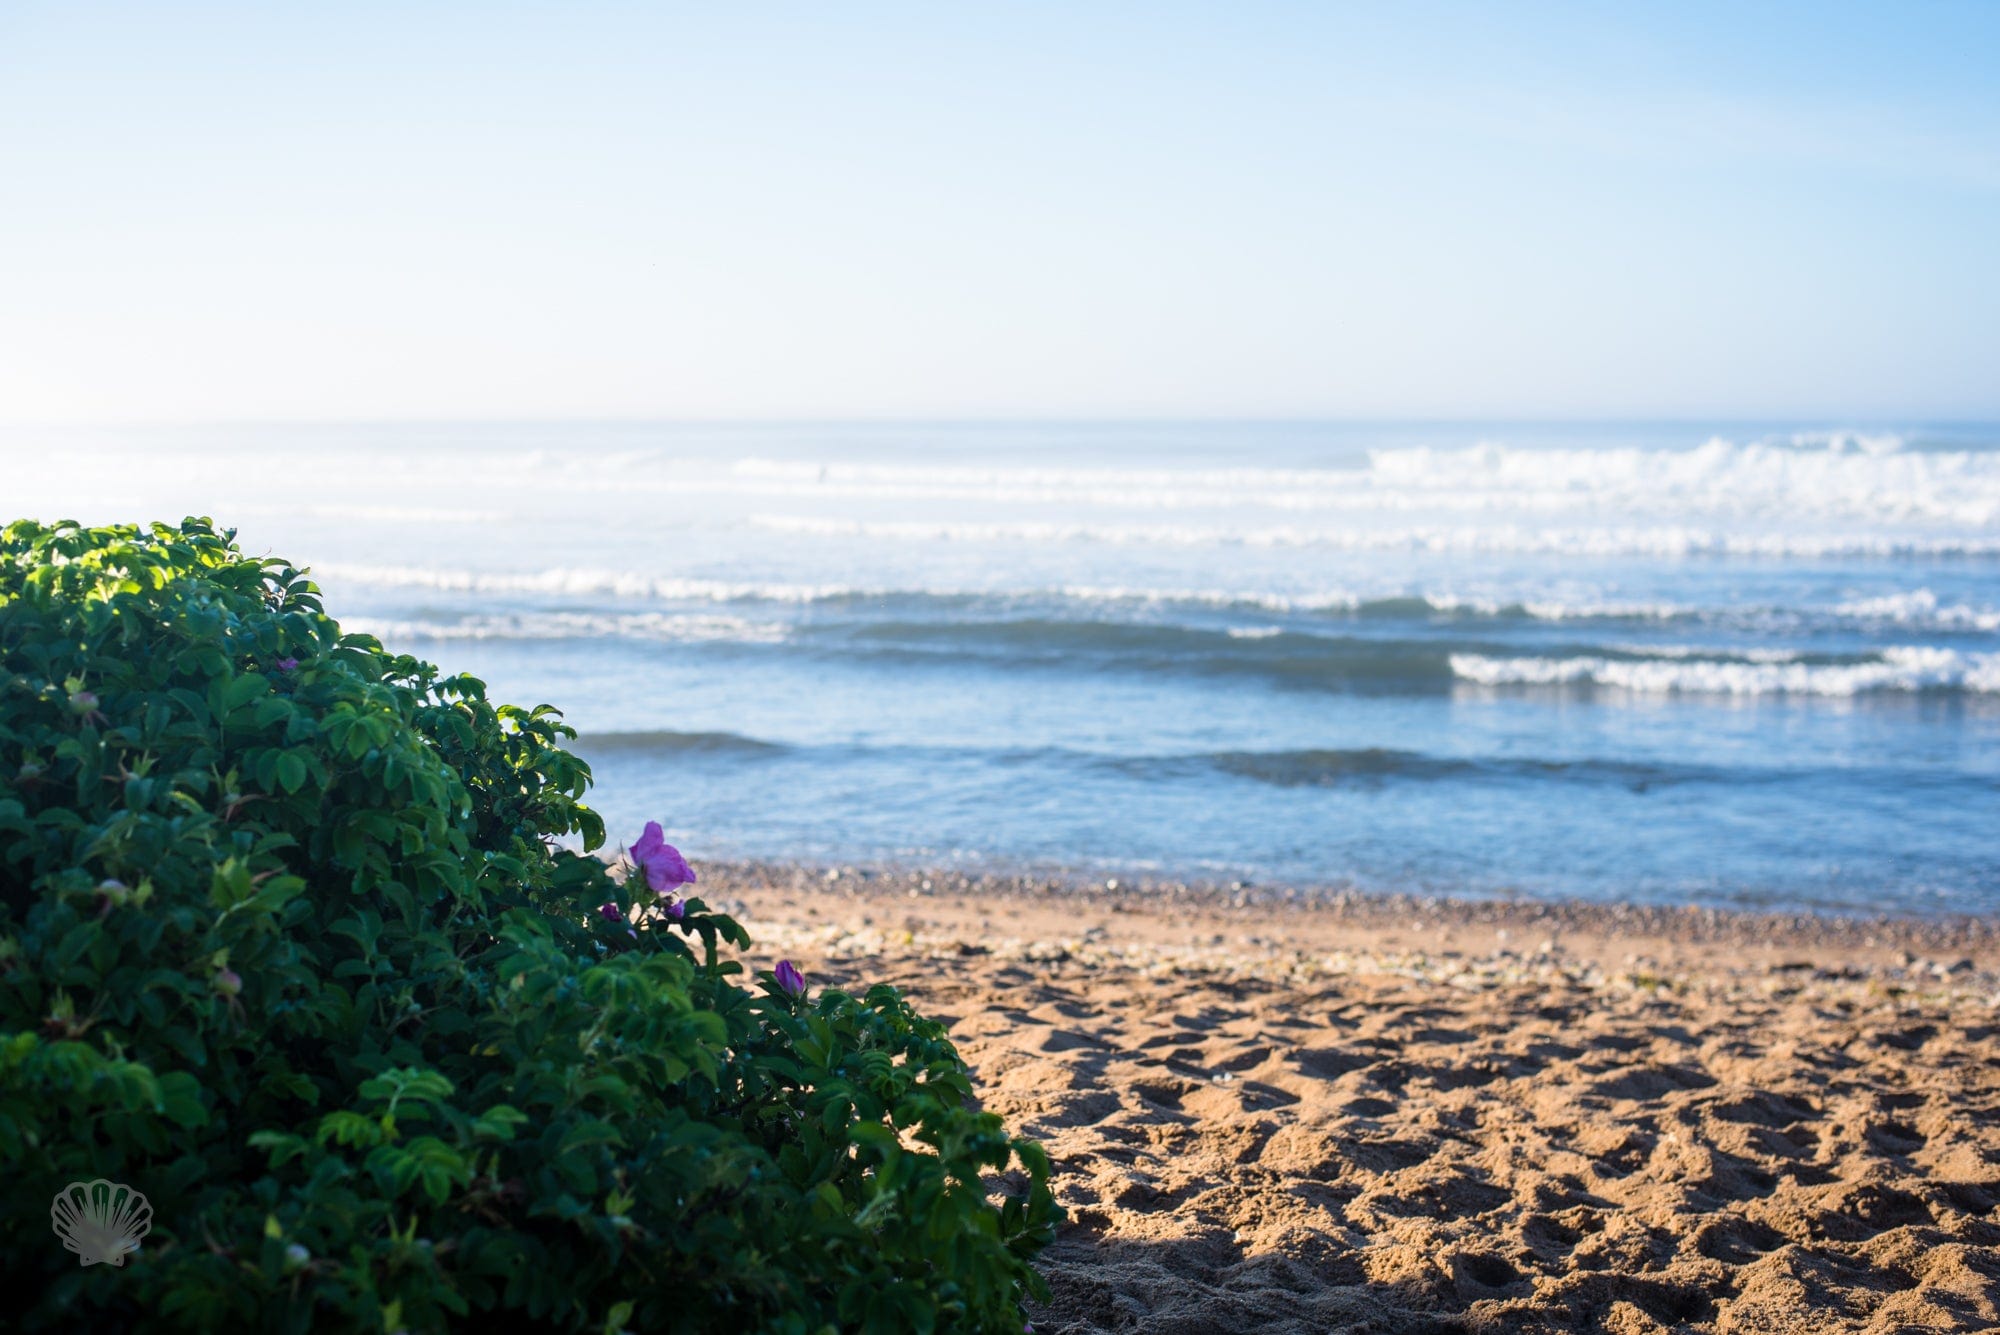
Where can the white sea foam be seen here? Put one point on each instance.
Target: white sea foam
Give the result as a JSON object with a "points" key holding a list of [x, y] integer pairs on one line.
{"points": [[1717, 479], [680, 629], [1899, 669], [1838, 475], [1920, 607], [1846, 477], [1841, 442], [581, 582], [576, 582], [1552, 610], [1809, 494], [1501, 539], [1692, 651], [635, 585], [392, 514]]}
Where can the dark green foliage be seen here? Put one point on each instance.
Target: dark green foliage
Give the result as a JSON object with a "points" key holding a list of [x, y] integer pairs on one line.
{"points": [[287, 944]]}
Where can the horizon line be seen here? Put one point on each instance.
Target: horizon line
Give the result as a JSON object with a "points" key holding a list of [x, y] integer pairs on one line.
{"points": [[1831, 421]]}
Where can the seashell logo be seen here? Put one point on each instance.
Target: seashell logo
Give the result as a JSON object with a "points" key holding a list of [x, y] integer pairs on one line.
{"points": [[101, 1221]]}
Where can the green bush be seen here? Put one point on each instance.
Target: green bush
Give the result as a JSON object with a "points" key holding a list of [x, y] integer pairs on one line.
{"points": [[288, 944]]}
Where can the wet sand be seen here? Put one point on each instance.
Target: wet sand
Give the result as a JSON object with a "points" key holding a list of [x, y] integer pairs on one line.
{"points": [[1413, 1115]]}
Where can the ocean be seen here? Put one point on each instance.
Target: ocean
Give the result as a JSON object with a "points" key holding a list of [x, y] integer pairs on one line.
{"points": [[1727, 664]]}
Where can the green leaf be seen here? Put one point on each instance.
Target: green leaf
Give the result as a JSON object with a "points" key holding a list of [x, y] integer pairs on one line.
{"points": [[587, 1133], [180, 1099], [498, 1123], [279, 1146], [243, 690]]}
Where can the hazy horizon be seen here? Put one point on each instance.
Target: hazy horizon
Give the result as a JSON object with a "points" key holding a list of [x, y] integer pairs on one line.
{"points": [[1825, 424]]}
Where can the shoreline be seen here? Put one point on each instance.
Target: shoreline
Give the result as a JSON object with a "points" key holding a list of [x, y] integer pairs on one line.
{"points": [[1874, 939], [1394, 1115]]}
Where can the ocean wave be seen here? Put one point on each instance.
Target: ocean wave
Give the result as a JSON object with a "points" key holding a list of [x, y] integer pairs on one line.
{"points": [[1627, 652], [1377, 664], [1312, 658], [1838, 475], [578, 582], [638, 585], [1920, 607], [1910, 610], [1718, 478], [1874, 443], [1471, 540], [1304, 767], [1332, 768], [1733, 487], [1729, 488], [1906, 669], [1291, 768], [1326, 661], [678, 743], [680, 629], [376, 513]]}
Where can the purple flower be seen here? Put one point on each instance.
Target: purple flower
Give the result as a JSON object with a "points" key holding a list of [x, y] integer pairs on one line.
{"points": [[288, 665], [663, 864], [677, 909], [790, 981], [615, 914]]}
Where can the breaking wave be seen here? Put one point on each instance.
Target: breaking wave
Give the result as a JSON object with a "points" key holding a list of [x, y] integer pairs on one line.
{"points": [[1907, 669]]}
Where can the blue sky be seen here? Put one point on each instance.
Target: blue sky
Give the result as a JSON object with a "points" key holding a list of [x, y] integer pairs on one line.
{"points": [[633, 210]]}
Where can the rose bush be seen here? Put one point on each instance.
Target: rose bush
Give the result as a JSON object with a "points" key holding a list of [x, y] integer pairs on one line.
{"points": [[288, 943]]}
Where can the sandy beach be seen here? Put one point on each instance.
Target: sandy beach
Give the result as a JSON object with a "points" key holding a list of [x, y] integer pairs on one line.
{"points": [[1425, 1115]]}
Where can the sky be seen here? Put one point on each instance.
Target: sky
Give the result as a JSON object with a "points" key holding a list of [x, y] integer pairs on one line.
{"points": [[595, 210]]}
